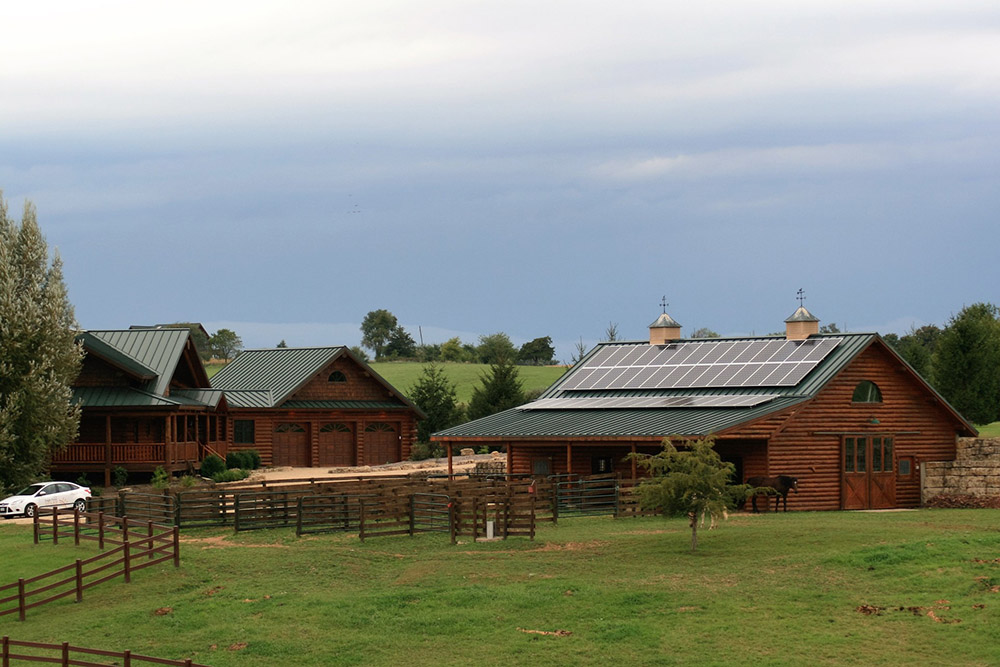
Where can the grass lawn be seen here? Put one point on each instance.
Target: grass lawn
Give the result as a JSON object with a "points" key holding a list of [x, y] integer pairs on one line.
{"points": [[989, 430], [404, 374], [771, 589]]}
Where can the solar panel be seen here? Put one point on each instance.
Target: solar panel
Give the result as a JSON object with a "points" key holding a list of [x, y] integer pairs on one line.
{"points": [[649, 402], [702, 364]]}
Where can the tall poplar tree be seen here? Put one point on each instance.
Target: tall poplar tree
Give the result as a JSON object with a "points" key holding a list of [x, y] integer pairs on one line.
{"points": [[39, 356]]}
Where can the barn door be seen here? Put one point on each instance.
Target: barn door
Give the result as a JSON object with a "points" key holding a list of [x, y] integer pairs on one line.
{"points": [[869, 473]]}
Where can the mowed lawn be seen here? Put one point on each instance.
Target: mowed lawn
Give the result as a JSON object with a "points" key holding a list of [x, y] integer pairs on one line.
{"points": [[404, 374], [766, 589]]}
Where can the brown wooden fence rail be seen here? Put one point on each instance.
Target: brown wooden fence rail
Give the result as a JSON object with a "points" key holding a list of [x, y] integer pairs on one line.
{"points": [[62, 654], [141, 545]]}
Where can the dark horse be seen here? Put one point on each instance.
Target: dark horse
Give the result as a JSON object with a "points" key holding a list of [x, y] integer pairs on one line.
{"points": [[781, 484]]}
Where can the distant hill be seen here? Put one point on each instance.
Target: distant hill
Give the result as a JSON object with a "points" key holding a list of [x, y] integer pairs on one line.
{"points": [[404, 374]]}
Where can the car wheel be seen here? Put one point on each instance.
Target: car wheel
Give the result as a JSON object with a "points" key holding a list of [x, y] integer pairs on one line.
{"points": [[29, 510], [80, 505]]}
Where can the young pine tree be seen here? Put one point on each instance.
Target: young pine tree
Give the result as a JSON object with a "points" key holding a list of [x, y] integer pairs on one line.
{"points": [[436, 396], [500, 390], [39, 357]]}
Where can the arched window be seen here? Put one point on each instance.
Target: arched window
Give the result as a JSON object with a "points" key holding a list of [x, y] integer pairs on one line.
{"points": [[867, 392], [335, 428], [337, 376], [380, 427], [289, 428]]}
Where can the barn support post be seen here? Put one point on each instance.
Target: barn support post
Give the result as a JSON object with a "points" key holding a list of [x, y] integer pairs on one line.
{"points": [[107, 450], [569, 458], [634, 465], [510, 460], [451, 470]]}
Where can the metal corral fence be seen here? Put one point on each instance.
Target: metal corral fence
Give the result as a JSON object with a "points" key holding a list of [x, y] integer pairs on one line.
{"points": [[62, 654]]}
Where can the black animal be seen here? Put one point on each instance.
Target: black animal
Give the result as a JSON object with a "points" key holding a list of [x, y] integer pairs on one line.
{"points": [[781, 484]]}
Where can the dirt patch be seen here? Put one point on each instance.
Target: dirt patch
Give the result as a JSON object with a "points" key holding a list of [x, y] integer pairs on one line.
{"points": [[550, 633], [575, 546], [222, 542]]}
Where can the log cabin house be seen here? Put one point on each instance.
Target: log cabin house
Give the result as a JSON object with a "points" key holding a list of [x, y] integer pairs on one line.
{"points": [[146, 402], [318, 406], [841, 412]]}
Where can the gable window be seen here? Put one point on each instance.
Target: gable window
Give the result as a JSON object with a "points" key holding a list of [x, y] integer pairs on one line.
{"points": [[243, 432], [337, 376], [867, 392]]}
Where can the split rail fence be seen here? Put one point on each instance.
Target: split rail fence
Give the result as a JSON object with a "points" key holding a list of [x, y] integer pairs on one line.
{"points": [[62, 654], [137, 545]]}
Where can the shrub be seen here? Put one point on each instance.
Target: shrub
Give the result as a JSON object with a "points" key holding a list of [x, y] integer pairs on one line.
{"points": [[119, 476], [248, 459], [187, 481], [212, 465], [82, 480], [161, 478], [232, 475], [425, 450]]}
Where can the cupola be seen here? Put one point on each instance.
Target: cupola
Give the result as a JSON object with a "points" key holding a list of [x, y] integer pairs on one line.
{"points": [[801, 324], [664, 330]]}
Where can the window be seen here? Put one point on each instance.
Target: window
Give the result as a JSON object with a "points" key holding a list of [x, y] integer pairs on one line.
{"points": [[335, 428], [243, 432], [289, 428], [600, 465], [905, 466], [541, 466], [337, 376], [867, 392]]}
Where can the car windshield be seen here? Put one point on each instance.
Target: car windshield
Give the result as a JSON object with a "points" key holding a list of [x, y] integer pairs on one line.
{"points": [[29, 490]]}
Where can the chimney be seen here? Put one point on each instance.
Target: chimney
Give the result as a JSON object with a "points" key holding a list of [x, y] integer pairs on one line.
{"points": [[801, 325], [664, 330]]}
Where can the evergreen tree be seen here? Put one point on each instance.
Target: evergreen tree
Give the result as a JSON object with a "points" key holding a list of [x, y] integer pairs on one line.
{"points": [[500, 390], [400, 345], [39, 357], [436, 396], [691, 482], [967, 363]]}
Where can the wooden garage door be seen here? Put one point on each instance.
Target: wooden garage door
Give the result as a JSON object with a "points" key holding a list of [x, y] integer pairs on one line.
{"points": [[336, 445], [381, 443], [291, 445]]}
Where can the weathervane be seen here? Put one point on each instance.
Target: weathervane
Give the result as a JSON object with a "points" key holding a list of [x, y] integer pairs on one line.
{"points": [[801, 296], [664, 304]]}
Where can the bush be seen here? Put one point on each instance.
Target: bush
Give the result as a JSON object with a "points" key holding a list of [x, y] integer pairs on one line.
{"points": [[248, 459], [212, 465], [425, 450], [82, 480], [161, 478], [187, 481], [119, 476], [233, 475]]}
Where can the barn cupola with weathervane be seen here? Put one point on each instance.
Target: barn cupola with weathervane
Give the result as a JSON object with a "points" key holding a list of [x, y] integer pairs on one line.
{"points": [[665, 329], [801, 324]]}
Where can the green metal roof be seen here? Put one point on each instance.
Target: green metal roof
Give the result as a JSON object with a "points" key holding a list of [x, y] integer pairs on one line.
{"points": [[658, 422], [345, 405], [206, 397], [280, 372], [119, 397], [148, 354]]}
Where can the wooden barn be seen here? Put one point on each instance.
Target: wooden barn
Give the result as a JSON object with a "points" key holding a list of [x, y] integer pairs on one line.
{"points": [[317, 406], [146, 402], [842, 412]]}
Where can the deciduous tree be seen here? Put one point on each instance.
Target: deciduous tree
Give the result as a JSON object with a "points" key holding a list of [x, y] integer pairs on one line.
{"points": [[376, 330], [537, 352], [704, 332], [39, 357], [225, 344], [691, 481], [494, 347]]}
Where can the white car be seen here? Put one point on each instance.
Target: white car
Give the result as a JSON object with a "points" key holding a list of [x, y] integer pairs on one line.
{"points": [[43, 496]]}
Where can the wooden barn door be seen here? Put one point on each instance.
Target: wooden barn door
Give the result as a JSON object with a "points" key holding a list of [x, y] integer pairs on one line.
{"points": [[381, 443], [336, 445], [291, 446], [869, 473]]}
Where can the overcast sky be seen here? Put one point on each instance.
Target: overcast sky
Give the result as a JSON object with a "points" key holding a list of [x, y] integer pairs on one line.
{"points": [[541, 169]]}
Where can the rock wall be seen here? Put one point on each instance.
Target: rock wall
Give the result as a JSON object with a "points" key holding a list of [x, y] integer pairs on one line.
{"points": [[974, 472]]}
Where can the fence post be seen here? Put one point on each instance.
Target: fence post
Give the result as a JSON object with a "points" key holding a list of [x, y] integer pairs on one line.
{"points": [[298, 517], [76, 526], [79, 581], [128, 559], [413, 509], [451, 520], [236, 512], [177, 508], [127, 658], [150, 544], [100, 530], [532, 518], [55, 525], [125, 529], [20, 599], [361, 520], [65, 654], [177, 546], [555, 502], [6, 651], [34, 523]]}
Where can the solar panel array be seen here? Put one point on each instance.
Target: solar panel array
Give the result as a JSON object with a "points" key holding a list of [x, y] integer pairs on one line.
{"points": [[702, 364], [641, 402]]}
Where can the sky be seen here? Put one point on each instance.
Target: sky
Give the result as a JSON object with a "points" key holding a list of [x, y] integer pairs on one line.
{"points": [[541, 169]]}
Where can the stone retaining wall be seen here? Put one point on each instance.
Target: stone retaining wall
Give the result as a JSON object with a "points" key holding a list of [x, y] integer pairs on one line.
{"points": [[974, 472]]}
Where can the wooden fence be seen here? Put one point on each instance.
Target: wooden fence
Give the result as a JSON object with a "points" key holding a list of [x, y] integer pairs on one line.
{"points": [[62, 654], [140, 545]]}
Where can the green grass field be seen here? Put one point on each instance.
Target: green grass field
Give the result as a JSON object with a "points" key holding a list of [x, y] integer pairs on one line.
{"points": [[772, 589], [989, 430], [404, 374]]}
